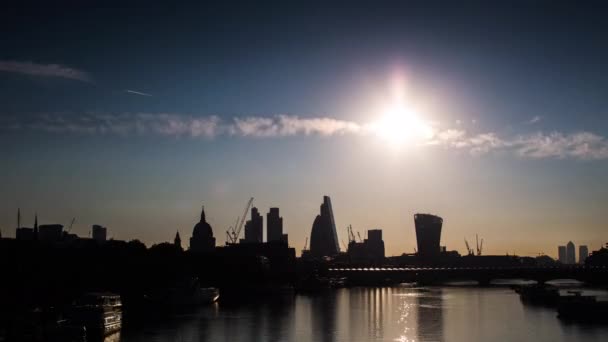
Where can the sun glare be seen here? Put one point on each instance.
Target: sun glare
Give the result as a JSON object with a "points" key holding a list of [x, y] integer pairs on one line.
{"points": [[399, 125]]}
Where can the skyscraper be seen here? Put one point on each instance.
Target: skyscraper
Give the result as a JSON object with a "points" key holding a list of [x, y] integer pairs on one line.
{"points": [[323, 237], [274, 226], [254, 228], [561, 254], [570, 253], [583, 253], [428, 235], [100, 234]]}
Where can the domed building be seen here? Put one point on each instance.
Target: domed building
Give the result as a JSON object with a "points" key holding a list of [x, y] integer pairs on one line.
{"points": [[202, 239]]}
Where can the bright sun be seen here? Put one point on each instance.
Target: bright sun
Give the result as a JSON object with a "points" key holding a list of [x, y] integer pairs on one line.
{"points": [[400, 125]]}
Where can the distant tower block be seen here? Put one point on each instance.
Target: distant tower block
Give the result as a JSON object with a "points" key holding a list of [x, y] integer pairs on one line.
{"points": [[428, 235], [323, 237], [570, 253], [99, 233], [254, 228], [561, 254], [583, 253], [274, 226]]}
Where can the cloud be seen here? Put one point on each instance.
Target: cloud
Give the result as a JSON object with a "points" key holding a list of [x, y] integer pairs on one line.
{"points": [[175, 125], [540, 145], [136, 92], [44, 70], [534, 120], [286, 125], [581, 145]]}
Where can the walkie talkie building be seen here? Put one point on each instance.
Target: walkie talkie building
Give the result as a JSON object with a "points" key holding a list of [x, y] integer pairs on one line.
{"points": [[428, 235]]}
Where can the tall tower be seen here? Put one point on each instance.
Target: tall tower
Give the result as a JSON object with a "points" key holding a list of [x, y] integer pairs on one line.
{"points": [[428, 235], [274, 225], [323, 237], [570, 253], [561, 254], [583, 253], [254, 228]]}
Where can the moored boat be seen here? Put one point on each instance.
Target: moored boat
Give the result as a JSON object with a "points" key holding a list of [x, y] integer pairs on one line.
{"points": [[578, 307], [99, 313], [538, 294]]}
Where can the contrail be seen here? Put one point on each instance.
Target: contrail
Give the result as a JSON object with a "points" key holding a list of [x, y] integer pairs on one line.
{"points": [[137, 92]]}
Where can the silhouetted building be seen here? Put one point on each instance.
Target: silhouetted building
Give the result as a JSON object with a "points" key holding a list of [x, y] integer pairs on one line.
{"points": [[323, 237], [202, 239], [50, 232], [254, 228], [561, 254], [274, 226], [428, 235], [375, 244], [570, 253], [177, 241], [370, 250], [99, 233], [24, 234], [583, 253]]}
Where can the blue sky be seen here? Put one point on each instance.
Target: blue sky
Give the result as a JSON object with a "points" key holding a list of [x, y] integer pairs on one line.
{"points": [[134, 117]]}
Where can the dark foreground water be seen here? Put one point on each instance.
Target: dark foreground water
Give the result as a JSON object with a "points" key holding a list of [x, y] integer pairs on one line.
{"points": [[374, 314]]}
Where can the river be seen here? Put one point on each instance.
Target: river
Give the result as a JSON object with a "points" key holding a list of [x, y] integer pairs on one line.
{"points": [[401, 313]]}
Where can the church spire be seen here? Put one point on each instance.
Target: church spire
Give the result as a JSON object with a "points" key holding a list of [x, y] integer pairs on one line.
{"points": [[203, 215], [177, 241]]}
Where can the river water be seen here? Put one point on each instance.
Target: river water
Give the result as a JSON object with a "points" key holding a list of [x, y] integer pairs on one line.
{"points": [[402, 313]]}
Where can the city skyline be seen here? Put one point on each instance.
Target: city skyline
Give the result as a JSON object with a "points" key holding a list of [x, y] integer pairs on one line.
{"points": [[452, 110]]}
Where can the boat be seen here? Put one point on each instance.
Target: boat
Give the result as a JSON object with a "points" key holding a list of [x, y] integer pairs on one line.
{"points": [[577, 307], [99, 313], [538, 294], [180, 297]]}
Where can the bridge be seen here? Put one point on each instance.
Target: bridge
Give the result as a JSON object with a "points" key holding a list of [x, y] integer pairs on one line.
{"points": [[482, 275]]}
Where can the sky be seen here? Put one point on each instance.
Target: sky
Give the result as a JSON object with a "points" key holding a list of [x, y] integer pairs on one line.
{"points": [[134, 116]]}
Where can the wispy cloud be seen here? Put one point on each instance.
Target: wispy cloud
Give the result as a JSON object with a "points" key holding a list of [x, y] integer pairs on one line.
{"points": [[286, 125], [136, 92], [187, 126], [44, 70], [534, 120], [558, 145], [578, 145]]}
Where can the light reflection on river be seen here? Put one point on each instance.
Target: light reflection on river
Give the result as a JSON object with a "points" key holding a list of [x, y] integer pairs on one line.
{"points": [[374, 314]]}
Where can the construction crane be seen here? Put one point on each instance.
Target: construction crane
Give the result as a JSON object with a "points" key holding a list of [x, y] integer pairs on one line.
{"points": [[344, 245], [305, 245], [71, 224], [359, 235], [469, 250], [351, 235], [479, 246], [234, 232]]}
